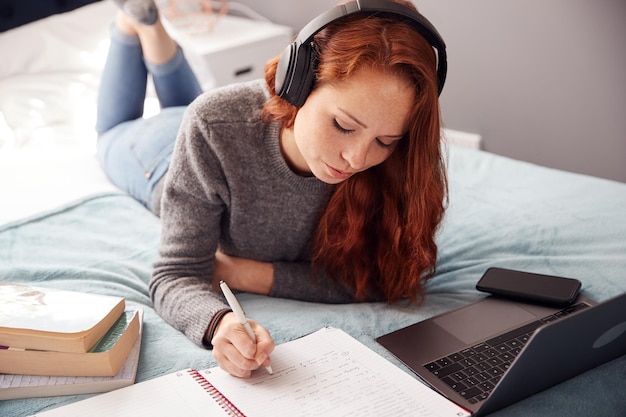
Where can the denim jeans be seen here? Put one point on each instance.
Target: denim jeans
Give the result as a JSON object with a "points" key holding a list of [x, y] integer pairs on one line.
{"points": [[133, 151]]}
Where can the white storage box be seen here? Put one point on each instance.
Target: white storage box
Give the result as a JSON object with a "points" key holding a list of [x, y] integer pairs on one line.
{"points": [[234, 50]]}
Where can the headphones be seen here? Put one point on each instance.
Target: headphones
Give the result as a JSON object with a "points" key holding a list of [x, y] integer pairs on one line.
{"points": [[295, 74]]}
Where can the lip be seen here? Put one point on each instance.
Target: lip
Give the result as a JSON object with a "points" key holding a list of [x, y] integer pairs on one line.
{"points": [[338, 174]]}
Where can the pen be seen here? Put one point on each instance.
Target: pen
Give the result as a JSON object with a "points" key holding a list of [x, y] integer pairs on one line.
{"points": [[236, 307]]}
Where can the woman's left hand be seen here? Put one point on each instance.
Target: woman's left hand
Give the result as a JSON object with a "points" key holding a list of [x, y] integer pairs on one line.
{"points": [[243, 274]]}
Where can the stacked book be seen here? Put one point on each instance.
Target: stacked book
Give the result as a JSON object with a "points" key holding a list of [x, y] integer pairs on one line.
{"points": [[58, 342]]}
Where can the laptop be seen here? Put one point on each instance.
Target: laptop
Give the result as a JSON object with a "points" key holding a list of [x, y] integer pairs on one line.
{"points": [[495, 352]]}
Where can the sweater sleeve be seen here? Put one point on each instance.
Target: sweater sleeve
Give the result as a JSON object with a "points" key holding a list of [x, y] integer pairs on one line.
{"points": [[191, 208], [296, 280]]}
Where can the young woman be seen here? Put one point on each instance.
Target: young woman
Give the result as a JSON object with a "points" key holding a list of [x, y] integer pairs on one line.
{"points": [[333, 195]]}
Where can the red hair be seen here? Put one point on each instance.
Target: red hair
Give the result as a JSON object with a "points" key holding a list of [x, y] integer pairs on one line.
{"points": [[377, 233]]}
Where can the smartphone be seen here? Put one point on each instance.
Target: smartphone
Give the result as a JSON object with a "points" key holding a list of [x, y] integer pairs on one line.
{"points": [[530, 287]]}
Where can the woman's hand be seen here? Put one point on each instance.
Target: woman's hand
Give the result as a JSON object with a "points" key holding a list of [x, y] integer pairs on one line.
{"points": [[234, 350], [243, 274]]}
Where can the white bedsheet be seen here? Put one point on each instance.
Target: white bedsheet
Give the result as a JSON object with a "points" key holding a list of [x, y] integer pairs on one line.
{"points": [[49, 75]]}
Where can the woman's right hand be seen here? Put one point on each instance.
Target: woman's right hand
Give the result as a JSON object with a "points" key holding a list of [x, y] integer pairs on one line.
{"points": [[234, 350]]}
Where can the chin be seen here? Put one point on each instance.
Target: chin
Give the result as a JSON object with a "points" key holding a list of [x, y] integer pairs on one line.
{"points": [[329, 179]]}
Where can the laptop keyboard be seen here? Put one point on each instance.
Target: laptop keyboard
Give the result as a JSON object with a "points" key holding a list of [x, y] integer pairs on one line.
{"points": [[474, 372]]}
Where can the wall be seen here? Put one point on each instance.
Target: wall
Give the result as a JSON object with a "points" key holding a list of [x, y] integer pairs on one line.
{"points": [[542, 81]]}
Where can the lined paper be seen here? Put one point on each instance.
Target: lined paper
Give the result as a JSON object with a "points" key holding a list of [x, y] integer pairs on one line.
{"points": [[329, 373]]}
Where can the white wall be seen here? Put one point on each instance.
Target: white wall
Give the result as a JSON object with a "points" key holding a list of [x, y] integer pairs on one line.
{"points": [[542, 81]]}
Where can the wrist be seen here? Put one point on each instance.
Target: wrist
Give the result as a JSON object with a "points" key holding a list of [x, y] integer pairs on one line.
{"points": [[261, 277], [213, 327]]}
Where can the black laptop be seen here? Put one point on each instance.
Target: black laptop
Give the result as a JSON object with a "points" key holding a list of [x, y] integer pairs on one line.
{"points": [[495, 352]]}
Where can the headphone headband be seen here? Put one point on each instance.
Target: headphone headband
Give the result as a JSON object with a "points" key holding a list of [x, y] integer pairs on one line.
{"points": [[296, 69]]}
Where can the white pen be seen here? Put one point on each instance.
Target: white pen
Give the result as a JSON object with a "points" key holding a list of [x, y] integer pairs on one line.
{"points": [[241, 317]]}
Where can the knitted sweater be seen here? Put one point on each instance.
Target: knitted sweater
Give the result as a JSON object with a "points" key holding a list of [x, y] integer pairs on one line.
{"points": [[228, 186]]}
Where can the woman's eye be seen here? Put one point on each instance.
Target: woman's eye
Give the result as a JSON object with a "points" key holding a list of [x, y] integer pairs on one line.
{"points": [[383, 144], [341, 128]]}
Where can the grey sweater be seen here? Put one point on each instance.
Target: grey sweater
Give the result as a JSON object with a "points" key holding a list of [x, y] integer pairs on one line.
{"points": [[228, 186]]}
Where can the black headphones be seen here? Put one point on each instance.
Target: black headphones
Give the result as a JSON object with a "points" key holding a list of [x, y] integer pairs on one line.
{"points": [[295, 74]]}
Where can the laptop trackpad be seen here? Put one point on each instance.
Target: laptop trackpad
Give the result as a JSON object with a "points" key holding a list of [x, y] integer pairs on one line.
{"points": [[481, 320]]}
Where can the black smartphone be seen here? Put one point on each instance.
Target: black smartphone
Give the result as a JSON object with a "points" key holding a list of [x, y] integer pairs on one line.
{"points": [[528, 286]]}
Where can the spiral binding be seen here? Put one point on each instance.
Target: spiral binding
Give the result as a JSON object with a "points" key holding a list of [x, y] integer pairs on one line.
{"points": [[219, 398]]}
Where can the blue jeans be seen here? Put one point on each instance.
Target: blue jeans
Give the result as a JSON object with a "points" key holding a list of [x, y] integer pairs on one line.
{"points": [[135, 152]]}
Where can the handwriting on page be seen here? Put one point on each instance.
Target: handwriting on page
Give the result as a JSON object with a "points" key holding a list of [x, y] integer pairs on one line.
{"points": [[320, 386], [313, 377]]}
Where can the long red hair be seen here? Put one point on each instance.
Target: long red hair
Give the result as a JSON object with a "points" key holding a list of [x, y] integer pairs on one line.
{"points": [[377, 233]]}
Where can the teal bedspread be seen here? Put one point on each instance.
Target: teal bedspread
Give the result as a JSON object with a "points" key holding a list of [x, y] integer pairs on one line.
{"points": [[502, 212]]}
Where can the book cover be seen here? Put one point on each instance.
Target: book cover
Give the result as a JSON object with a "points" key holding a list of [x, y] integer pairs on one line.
{"points": [[14, 386], [104, 359], [55, 320]]}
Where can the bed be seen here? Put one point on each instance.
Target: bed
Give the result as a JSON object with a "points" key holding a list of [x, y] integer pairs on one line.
{"points": [[63, 225]]}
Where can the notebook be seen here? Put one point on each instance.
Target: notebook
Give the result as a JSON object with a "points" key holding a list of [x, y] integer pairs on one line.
{"points": [[495, 352], [326, 373]]}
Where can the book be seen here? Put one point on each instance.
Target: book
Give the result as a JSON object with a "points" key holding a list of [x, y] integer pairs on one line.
{"points": [[104, 359], [56, 320], [326, 373], [13, 386]]}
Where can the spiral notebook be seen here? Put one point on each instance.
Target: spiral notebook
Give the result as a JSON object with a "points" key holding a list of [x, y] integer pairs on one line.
{"points": [[326, 373]]}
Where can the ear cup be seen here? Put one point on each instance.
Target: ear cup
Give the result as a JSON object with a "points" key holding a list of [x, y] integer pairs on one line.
{"points": [[295, 74]]}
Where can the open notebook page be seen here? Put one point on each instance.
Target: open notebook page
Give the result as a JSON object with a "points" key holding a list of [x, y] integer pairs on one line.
{"points": [[175, 394], [329, 373]]}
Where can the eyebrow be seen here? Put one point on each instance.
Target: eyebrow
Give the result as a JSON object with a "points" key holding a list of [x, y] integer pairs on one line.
{"points": [[363, 125]]}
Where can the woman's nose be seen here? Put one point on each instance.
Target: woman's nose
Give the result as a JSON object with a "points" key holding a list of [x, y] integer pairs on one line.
{"points": [[356, 155]]}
